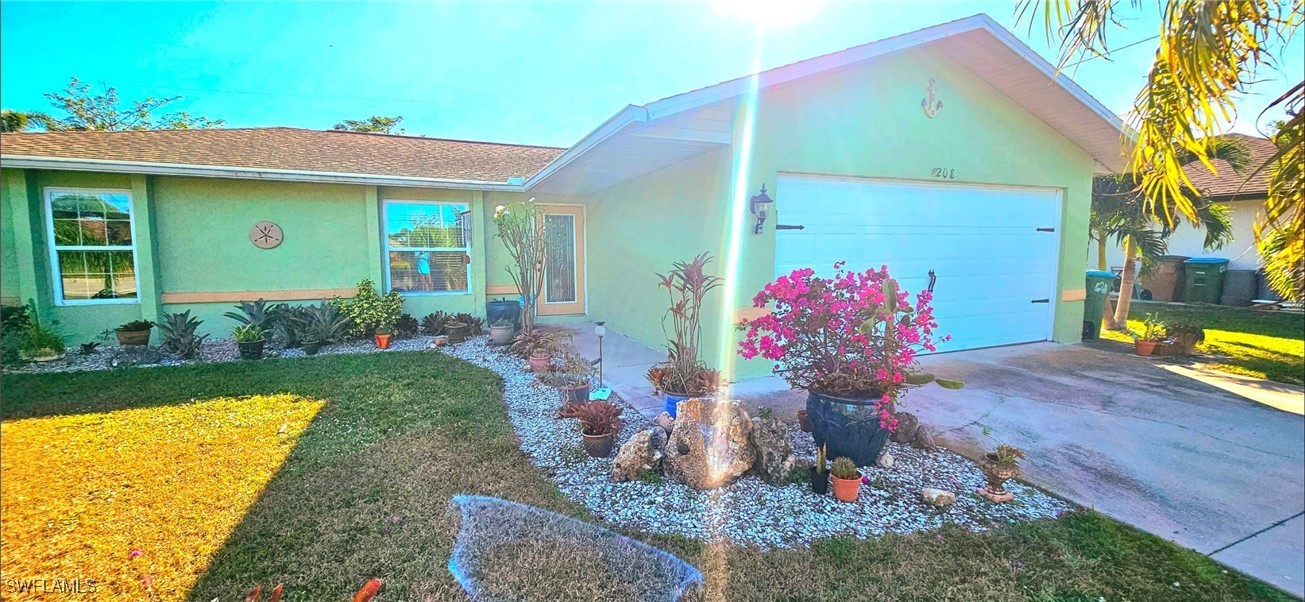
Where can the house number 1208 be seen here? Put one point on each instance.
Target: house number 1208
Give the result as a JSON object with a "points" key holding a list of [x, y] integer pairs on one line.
{"points": [[944, 173]]}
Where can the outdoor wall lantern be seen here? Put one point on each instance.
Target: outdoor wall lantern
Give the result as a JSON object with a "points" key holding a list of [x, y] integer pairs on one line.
{"points": [[760, 206]]}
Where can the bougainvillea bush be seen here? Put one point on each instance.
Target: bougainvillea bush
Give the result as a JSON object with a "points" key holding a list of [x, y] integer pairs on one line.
{"points": [[853, 335]]}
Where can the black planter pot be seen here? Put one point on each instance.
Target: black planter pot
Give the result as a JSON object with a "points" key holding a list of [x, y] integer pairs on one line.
{"points": [[819, 481], [577, 394], [599, 446], [847, 427], [311, 347], [251, 351], [457, 331]]}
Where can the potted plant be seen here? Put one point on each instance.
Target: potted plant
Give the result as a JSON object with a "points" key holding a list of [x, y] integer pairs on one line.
{"points": [[600, 421], [250, 339], [804, 421], [571, 378], [457, 331], [369, 311], [538, 347], [819, 478], [1184, 335], [1152, 335], [846, 479], [850, 340], [41, 343], [135, 332], [501, 332], [683, 375], [382, 337], [1000, 466]]}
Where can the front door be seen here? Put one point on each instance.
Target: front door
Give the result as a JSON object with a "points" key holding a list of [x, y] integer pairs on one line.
{"points": [[564, 272]]}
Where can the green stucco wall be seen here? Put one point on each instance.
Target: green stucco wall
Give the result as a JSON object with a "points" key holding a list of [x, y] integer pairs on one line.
{"points": [[859, 121]]}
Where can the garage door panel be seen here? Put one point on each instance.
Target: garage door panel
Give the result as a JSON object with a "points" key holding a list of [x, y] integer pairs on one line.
{"points": [[982, 243]]}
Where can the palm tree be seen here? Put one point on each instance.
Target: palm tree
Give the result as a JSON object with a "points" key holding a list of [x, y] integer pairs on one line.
{"points": [[21, 121]]}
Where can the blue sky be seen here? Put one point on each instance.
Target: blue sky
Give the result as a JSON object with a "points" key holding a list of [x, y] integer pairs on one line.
{"points": [[535, 73]]}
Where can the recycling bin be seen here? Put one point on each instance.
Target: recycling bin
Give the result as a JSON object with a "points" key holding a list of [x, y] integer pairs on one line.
{"points": [[1099, 283], [1203, 279]]}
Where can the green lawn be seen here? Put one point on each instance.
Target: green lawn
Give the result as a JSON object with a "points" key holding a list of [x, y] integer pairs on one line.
{"points": [[363, 494], [1253, 343]]}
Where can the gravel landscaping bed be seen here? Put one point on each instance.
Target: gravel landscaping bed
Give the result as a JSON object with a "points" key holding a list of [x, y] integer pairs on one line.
{"points": [[750, 511], [213, 351]]}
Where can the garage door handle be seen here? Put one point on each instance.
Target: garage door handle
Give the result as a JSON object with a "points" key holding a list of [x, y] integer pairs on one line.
{"points": [[787, 227], [1046, 229], [1042, 301]]}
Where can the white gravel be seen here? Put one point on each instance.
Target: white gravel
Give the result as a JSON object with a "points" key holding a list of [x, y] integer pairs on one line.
{"points": [[212, 351], [750, 511]]}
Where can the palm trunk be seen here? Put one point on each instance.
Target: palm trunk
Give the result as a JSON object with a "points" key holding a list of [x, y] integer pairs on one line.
{"points": [[1101, 251], [1126, 282]]}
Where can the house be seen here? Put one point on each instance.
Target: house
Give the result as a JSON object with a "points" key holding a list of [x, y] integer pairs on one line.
{"points": [[1243, 193], [953, 151]]}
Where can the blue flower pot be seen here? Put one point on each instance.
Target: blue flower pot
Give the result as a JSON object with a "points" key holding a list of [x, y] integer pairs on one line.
{"points": [[846, 427], [673, 400]]}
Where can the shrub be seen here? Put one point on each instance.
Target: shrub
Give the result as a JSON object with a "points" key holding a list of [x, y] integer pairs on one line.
{"points": [[136, 326], [371, 311], [247, 333], [325, 323], [289, 323], [406, 326], [596, 417], [529, 342], [433, 324], [178, 333], [687, 284], [844, 468], [37, 338], [14, 320], [253, 313], [475, 326]]}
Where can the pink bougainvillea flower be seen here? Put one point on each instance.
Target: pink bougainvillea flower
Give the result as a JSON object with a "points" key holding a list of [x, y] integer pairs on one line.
{"points": [[134, 554]]}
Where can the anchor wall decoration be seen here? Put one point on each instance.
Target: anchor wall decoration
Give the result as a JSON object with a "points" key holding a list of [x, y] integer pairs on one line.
{"points": [[931, 105]]}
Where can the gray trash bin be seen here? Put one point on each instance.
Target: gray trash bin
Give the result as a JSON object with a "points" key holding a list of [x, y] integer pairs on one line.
{"points": [[1238, 288]]}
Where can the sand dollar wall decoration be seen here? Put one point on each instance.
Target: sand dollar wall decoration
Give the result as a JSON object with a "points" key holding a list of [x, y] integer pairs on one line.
{"points": [[266, 235]]}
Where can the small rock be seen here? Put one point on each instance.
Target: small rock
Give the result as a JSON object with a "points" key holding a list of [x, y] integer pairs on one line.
{"points": [[923, 439], [885, 460], [907, 424], [665, 421], [640, 455], [774, 449], [937, 497], [134, 355]]}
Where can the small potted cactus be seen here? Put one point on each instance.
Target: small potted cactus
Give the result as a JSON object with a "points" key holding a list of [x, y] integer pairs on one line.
{"points": [[846, 478], [819, 478]]}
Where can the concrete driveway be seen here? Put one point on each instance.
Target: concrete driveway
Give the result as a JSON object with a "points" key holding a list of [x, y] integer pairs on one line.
{"points": [[1150, 446]]}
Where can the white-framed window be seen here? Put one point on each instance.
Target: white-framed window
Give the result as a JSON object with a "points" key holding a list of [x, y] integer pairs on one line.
{"points": [[427, 246], [92, 235]]}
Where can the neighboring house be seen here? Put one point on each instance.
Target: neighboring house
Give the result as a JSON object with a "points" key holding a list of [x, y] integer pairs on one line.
{"points": [[1243, 193], [953, 150]]}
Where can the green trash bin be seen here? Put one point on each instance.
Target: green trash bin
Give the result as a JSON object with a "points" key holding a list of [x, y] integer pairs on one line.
{"points": [[1099, 283], [1203, 279]]}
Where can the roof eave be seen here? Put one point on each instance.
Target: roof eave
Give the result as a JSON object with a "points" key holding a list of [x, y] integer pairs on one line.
{"points": [[246, 173]]}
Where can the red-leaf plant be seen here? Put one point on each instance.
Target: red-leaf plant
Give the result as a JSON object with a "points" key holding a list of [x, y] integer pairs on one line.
{"points": [[852, 335]]}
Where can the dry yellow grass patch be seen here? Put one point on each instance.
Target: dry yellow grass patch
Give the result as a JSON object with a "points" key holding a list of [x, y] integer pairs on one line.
{"points": [[138, 500]]}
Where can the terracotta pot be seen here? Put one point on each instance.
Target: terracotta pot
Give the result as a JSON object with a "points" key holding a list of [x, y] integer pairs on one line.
{"points": [[382, 341], [599, 446], [998, 474], [1144, 348], [846, 490], [804, 422], [539, 363], [133, 337]]}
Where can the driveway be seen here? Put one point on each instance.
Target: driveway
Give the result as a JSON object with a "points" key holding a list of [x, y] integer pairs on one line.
{"points": [[1152, 447]]}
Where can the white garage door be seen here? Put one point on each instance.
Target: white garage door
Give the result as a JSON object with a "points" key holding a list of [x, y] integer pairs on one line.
{"points": [[994, 250]]}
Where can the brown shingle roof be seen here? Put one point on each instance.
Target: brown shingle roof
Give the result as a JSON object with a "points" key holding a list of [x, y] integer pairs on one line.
{"points": [[281, 148], [1249, 184]]}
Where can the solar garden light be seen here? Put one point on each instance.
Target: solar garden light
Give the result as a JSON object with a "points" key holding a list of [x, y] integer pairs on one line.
{"points": [[760, 206], [601, 331]]}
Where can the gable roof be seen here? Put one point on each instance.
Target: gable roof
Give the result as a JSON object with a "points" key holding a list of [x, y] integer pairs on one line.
{"points": [[977, 43], [1229, 185], [285, 151]]}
